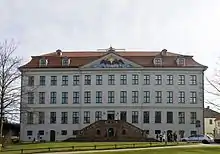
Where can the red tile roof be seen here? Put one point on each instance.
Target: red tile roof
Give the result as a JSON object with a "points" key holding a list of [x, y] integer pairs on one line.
{"points": [[143, 58]]}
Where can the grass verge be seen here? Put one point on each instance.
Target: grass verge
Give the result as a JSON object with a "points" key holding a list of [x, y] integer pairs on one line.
{"points": [[78, 146]]}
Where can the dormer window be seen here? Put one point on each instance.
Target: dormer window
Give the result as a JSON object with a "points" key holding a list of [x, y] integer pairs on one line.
{"points": [[180, 61], [157, 61], [65, 61], [43, 62]]}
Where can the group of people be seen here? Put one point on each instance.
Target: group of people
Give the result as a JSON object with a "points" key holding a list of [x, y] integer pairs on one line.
{"points": [[167, 137]]}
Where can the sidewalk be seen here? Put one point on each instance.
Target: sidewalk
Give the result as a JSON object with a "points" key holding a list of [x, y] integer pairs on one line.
{"points": [[133, 149]]}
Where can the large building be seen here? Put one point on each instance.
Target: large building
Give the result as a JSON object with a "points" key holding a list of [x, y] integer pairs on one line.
{"points": [[111, 94]]}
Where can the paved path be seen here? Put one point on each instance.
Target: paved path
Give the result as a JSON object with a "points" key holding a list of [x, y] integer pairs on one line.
{"points": [[134, 149]]}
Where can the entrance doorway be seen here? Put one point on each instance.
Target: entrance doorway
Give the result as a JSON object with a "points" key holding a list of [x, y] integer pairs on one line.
{"points": [[52, 135], [110, 132], [111, 115], [123, 115], [169, 135]]}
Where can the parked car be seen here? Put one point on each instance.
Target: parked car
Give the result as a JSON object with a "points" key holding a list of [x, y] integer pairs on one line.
{"points": [[198, 138]]}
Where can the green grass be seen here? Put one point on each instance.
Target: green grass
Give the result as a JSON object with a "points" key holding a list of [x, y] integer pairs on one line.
{"points": [[70, 146], [198, 150]]}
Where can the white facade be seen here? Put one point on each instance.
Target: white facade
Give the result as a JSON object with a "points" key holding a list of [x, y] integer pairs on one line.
{"points": [[30, 131], [210, 125]]}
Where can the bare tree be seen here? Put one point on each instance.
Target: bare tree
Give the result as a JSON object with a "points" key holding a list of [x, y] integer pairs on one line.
{"points": [[214, 88], [9, 81]]}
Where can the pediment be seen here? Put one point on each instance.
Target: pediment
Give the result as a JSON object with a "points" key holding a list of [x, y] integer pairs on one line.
{"points": [[112, 60]]}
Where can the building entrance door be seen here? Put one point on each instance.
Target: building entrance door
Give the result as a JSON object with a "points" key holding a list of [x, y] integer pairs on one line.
{"points": [[110, 132], [111, 115], [52, 135]]}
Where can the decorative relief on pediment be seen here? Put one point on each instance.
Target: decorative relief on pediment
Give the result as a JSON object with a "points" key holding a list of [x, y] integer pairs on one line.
{"points": [[112, 62]]}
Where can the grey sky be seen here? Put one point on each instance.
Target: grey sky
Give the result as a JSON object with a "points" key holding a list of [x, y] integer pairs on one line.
{"points": [[184, 26]]}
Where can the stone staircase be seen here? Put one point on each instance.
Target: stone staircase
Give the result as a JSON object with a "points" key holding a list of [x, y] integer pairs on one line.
{"points": [[110, 130]]}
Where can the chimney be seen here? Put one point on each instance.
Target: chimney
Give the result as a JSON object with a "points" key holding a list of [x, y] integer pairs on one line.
{"points": [[208, 107], [58, 52], [164, 52]]}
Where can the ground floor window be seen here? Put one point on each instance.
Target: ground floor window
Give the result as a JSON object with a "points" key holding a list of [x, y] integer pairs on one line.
{"points": [[193, 132]]}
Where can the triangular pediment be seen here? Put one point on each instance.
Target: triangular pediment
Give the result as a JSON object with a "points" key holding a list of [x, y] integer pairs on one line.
{"points": [[112, 60]]}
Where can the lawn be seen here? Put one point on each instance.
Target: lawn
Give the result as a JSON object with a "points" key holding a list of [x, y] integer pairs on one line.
{"points": [[197, 150], [70, 146]]}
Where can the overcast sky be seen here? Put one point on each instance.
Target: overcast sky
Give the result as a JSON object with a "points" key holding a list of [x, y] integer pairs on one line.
{"points": [[182, 26]]}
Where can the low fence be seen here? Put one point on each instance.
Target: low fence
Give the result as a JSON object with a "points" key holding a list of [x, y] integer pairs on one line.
{"points": [[88, 147]]}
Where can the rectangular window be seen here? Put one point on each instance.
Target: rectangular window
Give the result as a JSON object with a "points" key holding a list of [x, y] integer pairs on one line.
{"points": [[30, 118], [53, 80], [87, 97], [30, 97], [75, 97], [64, 80], [111, 96], [146, 96], [181, 97], [193, 96], [111, 79], [181, 80], [41, 97], [157, 116], [75, 117], [30, 80], [210, 121], [169, 117], [169, 79], [29, 133], [123, 115], [147, 79], [98, 79], [193, 80], [41, 118], [87, 80], [169, 97], [64, 97], [134, 96], [98, 115], [63, 132], [193, 117], [146, 115], [53, 118], [53, 97], [42, 80], [157, 132], [41, 132], [123, 96], [158, 79], [135, 79], [181, 116], [123, 79], [134, 117], [86, 117], [98, 96], [193, 133], [64, 117], [158, 96], [75, 80]]}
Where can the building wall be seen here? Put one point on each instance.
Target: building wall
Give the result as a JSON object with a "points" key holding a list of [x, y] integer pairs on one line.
{"points": [[209, 125], [117, 106]]}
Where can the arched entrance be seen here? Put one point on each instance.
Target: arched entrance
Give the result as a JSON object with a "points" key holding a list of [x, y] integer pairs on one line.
{"points": [[52, 135], [110, 132]]}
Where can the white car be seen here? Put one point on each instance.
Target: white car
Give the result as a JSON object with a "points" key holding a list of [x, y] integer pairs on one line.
{"points": [[198, 138]]}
